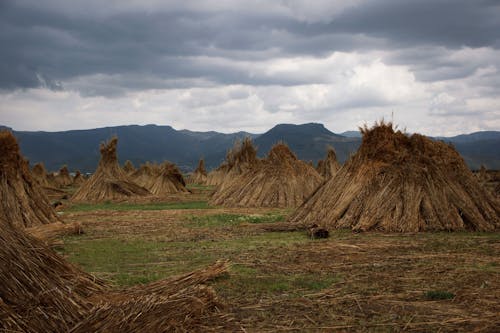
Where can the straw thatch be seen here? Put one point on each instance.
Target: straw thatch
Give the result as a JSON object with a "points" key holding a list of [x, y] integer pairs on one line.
{"points": [[128, 167], [401, 183], [328, 167], [168, 181], [78, 179], [63, 178], [281, 180], [199, 176], [22, 200], [109, 182], [242, 157]]}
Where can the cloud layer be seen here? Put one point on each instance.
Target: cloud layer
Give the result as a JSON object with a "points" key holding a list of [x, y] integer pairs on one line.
{"points": [[247, 65]]}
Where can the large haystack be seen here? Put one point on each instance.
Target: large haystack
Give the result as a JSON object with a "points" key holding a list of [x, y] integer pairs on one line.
{"points": [[41, 292], [242, 157], [401, 183], [63, 177], [109, 182], [328, 167], [281, 180], [199, 176], [22, 200], [168, 181]]}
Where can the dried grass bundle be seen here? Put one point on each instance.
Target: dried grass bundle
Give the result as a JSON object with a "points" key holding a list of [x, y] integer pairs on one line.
{"points": [[128, 167], [109, 182], [146, 174], [39, 173], [78, 179], [199, 176], [63, 178], [401, 183], [328, 167], [281, 180], [22, 200], [168, 181]]}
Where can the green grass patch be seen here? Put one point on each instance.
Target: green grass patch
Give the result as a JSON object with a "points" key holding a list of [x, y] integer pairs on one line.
{"points": [[435, 295], [222, 220], [85, 207], [200, 187]]}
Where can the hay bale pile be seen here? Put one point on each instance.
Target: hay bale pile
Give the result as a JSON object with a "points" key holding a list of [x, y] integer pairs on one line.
{"points": [[109, 182], [328, 167], [281, 180], [63, 178], [22, 200], [199, 176], [242, 157], [401, 183], [169, 180]]}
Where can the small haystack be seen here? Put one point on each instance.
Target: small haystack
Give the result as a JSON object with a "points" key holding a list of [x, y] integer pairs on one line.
{"points": [[168, 181], [78, 179], [22, 200], [242, 157], [281, 180], [40, 174], [329, 166], [401, 183], [109, 182], [63, 178], [146, 175], [199, 176], [128, 167]]}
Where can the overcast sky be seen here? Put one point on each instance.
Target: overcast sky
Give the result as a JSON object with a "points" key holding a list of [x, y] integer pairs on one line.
{"points": [[248, 65]]}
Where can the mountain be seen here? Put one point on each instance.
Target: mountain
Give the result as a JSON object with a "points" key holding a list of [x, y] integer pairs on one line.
{"points": [[79, 149], [351, 134], [308, 141]]}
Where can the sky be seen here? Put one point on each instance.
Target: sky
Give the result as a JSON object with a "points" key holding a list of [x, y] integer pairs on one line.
{"points": [[430, 66]]}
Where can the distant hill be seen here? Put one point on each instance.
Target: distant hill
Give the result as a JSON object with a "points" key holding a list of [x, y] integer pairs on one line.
{"points": [[80, 149]]}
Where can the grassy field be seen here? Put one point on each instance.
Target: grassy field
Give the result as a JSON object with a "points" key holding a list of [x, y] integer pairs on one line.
{"points": [[285, 281]]}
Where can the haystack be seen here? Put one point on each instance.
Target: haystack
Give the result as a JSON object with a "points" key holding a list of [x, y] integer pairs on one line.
{"points": [[128, 167], [168, 181], [328, 167], [242, 157], [199, 176], [78, 179], [281, 180], [146, 175], [22, 200], [109, 182], [63, 177], [401, 183], [40, 174]]}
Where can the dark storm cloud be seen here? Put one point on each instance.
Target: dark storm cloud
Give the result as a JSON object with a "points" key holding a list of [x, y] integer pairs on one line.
{"points": [[147, 49]]}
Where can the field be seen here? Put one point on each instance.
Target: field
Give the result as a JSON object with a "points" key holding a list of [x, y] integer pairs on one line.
{"points": [[285, 281]]}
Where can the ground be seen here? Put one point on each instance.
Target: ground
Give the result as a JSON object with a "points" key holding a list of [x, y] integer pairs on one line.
{"points": [[285, 281]]}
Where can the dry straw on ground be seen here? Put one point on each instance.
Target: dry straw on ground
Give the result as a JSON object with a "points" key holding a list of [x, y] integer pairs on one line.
{"points": [[22, 200], [401, 183], [281, 180], [199, 176], [41, 292], [109, 182], [328, 167]]}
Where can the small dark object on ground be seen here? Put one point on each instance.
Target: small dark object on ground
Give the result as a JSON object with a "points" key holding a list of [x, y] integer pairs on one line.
{"points": [[57, 204], [438, 295], [316, 232]]}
